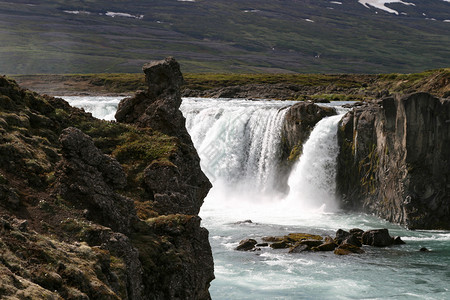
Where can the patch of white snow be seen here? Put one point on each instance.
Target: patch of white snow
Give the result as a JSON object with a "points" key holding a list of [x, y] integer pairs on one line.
{"points": [[77, 12], [380, 4], [123, 15], [309, 20]]}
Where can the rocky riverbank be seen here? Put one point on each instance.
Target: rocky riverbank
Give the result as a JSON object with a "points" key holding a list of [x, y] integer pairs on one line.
{"points": [[91, 209]]}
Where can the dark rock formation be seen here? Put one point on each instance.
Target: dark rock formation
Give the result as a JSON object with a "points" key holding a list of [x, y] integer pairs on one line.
{"points": [[246, 245], [91, 209], [178, 185], [175, 186], [395, 160], [328, 245], [377, 238], [87, 178], [299, 248]]}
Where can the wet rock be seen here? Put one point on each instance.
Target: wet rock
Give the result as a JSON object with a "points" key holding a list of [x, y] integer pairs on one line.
{"points": [[327, 246], [262, 245], [424, 250], [246, 245], [272, 239], [357, 232], [398, 241], [280, 245], [341, 235], [299, 248], [377, 238], [297, 237], [352, 240], [310, 243], [243, 222], [346, 249]]}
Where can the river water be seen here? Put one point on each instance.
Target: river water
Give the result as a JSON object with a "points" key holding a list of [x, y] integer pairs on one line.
{"points": [[238, 141]]}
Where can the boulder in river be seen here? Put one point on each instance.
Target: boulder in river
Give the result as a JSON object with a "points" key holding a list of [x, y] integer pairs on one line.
{"points": [[246, 245], [377, 238]]}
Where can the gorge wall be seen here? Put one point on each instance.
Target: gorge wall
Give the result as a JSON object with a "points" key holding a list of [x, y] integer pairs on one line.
{"points": [[394, 160], [91, 209]]}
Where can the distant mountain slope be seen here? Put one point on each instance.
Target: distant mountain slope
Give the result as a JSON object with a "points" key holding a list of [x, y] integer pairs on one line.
{"points": [[360, 36]]}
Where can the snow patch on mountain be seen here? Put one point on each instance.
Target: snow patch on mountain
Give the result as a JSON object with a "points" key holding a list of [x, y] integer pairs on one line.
{"points": [[124, 15], [380, 4]]}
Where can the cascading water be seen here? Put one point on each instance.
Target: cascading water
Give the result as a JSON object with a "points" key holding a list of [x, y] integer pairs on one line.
{"points": [[241, 137], [239, 145], [313, 178], [238, 142]]}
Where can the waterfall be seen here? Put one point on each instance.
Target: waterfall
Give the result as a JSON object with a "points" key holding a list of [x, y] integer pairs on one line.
{"points": [[313, 179], [238, 141], [239, 145]]}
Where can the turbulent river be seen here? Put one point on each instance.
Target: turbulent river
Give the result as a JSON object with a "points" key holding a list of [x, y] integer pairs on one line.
{"points": [[238, 142]]}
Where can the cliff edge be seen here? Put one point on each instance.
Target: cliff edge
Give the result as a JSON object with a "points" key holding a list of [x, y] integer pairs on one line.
{"points": [[394, 160], [91, 209]]}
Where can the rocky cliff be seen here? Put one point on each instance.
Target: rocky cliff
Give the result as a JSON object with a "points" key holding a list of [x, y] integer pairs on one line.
{"points": [[91, 209], [395, 160]]}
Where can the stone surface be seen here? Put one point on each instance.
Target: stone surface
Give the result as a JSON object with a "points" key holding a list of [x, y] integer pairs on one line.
{"points": [[377, 238], [299, 248], [76, 223], [178, 186], [346, 249], [327, 246], [246, 245], [394, 160], [175, 188], [87, 178]]}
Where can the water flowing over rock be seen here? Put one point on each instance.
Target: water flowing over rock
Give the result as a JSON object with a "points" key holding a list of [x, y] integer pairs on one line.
{"points": [[299, 121], [394, 160]]}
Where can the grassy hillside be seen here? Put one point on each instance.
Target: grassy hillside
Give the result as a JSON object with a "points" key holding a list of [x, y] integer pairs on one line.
{"points": [[222, 36]]}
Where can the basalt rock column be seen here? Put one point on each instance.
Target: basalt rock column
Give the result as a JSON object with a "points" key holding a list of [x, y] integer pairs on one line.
{"points": [[395, 160]]}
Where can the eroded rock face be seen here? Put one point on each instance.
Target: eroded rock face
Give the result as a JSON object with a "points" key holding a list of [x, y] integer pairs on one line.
{"points": [[395, 160], [87, 178], [175, 187], [178, 186]]}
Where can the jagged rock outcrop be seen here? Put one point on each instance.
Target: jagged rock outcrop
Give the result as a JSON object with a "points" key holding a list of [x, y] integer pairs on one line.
{"points": [[97, 209], [395, 160], [87, 177], [178, 185], [175, 186]]}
